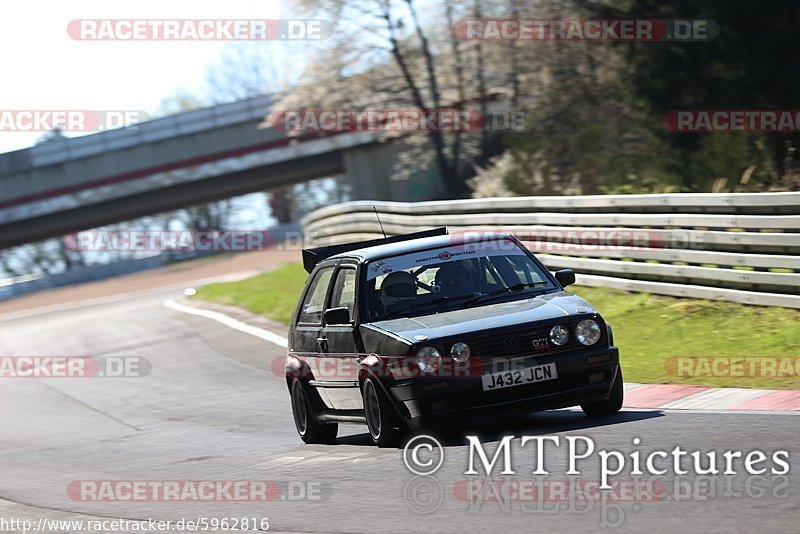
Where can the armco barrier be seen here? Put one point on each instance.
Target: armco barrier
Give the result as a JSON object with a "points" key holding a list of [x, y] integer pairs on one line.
{"points": [[29, 284], [740, 247]]}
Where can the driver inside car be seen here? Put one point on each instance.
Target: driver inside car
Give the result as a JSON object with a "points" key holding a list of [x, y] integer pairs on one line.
{"points": [[398, 290], [454, 280]]}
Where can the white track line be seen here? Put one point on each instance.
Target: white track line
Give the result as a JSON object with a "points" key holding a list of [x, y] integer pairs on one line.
{"points": [[108, 299], [230, 322]]}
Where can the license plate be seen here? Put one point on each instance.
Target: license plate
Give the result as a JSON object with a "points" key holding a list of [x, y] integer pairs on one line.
{"points": [[519, 377]]}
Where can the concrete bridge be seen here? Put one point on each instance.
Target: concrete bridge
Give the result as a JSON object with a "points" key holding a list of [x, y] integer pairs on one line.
{"points": [[185, 159]]}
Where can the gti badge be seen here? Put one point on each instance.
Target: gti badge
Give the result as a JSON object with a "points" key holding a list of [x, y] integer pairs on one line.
{"points": [[541, 343]]}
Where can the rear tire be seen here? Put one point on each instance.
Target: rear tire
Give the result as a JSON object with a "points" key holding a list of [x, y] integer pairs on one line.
{"points": [[609, 406], [308, 428], [385, 426]]}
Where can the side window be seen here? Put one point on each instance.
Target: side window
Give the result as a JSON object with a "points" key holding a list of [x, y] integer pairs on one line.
{"points": [[311, 312], [344, 290]]}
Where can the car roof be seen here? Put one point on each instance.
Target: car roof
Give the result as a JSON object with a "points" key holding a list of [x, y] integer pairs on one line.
{"points": [[404, 247]]}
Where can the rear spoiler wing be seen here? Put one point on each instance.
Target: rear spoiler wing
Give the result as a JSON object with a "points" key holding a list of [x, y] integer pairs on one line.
{"points": [[312, 256]]}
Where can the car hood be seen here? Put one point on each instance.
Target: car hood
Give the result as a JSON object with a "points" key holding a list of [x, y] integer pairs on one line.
{"points": [[467, 321]]}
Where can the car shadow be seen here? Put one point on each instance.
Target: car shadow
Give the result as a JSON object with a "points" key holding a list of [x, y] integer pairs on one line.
{"points": [[355, 439], [537, 423]]}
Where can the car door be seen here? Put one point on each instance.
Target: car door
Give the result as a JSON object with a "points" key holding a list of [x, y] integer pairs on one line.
{"points": [[341, 354], [305, 342]]}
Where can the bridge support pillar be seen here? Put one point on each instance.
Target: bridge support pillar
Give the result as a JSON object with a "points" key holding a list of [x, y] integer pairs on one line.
{"points": [[369, 167]]}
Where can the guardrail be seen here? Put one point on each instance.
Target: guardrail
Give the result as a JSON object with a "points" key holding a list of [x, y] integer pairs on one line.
{"points": [[740, 247]]}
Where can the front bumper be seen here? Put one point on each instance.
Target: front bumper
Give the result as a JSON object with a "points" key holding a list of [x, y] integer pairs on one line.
{"points": [[459, 399]]}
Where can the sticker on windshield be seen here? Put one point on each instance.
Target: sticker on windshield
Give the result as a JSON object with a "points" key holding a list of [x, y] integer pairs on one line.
{"points": [[439, 256]]}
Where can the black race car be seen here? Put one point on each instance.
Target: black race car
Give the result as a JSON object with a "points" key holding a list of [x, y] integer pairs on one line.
{"points": [[430, 328]]}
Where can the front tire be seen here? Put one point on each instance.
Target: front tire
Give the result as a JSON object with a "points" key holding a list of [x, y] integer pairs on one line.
{"points": [[306, 424], [385, 427], [612, 404]]}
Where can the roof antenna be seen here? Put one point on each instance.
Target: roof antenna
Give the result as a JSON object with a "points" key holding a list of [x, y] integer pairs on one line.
{"points": [[380, 223]]}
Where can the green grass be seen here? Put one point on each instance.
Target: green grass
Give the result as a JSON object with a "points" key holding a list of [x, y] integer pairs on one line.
{"points": [[272, 294], [648, 329]]}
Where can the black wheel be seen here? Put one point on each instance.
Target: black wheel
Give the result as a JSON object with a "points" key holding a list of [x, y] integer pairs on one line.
{"points": [[307, 426], [612, 404], [384, 425]]}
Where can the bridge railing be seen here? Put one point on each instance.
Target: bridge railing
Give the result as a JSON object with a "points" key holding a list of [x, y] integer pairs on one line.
{"points": [[738, 247], [155, 130]]}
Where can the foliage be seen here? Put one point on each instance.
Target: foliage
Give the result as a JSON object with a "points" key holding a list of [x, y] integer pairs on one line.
{"points": [[752, 64]]}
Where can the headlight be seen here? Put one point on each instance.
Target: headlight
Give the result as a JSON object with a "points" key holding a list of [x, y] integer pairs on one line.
{"points": [[460, 352], [587, 332], [428, 359], [559, 335]]}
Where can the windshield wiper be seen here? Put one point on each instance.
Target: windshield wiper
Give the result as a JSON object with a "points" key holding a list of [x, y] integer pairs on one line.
{"points": [[438, 301], [398, 311], [510, 289]]}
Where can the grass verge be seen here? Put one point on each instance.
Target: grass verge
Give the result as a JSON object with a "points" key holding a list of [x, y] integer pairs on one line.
{"points": [[652, 331], [272, 294]]}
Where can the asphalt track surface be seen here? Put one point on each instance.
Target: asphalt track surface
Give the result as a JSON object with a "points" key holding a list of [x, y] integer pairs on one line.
{"points": [[212, 409]]}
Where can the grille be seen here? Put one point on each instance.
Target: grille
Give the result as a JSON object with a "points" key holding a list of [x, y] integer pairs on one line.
{"points": [[519, 343]]}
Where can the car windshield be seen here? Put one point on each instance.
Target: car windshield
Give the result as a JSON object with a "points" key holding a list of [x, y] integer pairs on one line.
{"points": [[449, 277]]}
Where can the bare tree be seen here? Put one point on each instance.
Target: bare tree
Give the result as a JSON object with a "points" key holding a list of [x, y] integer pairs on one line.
{"points": [[403, 53], [251, 68]]}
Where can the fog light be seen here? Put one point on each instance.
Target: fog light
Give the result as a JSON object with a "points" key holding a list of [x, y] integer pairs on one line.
{"points": [[559, 335], [460, 352]]}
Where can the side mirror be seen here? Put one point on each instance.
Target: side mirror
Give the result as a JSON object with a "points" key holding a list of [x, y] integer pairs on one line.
{"points": [[336, 316], [565, 277]]}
